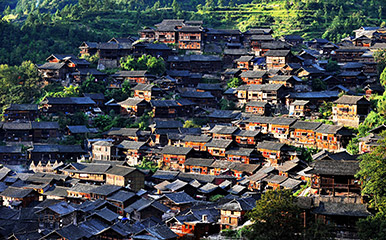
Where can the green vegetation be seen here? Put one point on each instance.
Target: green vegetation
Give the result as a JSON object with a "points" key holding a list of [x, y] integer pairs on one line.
{"points": [[19, 84], [145, 62], [32, 30], [372, 173], [279, 208]]}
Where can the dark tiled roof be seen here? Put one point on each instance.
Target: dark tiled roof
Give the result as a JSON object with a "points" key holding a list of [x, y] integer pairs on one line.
{"points": [[176, 150], [271, 146], [143, 87], [347, 99], [180, 198], [70, 100], [120, 171], [219, 143], [253, 74], [240, 151], [15, 192], [121, 196], [196, 94], [257, 104], [336, 167], [78, 129], [132, 132], [52, 66], [22, 107], [105, 190], [342, 209], [283, 121], [45, 125], [132, 145], [199, 162], [306, 125], [264, 37], [277, 53], [131, 102], [10, 149]]}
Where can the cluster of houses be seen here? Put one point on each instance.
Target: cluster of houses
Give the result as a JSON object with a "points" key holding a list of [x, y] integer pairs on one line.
{"points": [[205, 178]]}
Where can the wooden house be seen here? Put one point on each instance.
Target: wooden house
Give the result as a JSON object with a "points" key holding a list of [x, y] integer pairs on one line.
{"points": [[146, 91], [87, 172], [165, 108], [215, 89], [233, 212], [143, 209], [198, 165], [223, 132], [218, 147], [196, 142], [201, 98], [258, 108], [11, 155], [223, 35], [242, 155], [28, 112], [88, 48], [254, 77], [350, 78], [335, 177], [133, 152], [177, 202], [350, 110], [257, 123], [134, 106], [286, 80], [255, 41], [57, 215], [292, 39], [232, 54], [190, 37], [122, 199], [332, 138], [18, 197], [277, 58], [246, 138], [53, 71], [68, 105], [280, 127], [300, 108], [274, 152], [244, 63], [134, 77], [175, 157], [120, 134], [224, 116], [349, 54], [126, 177], [104, 150], [303, 134]]}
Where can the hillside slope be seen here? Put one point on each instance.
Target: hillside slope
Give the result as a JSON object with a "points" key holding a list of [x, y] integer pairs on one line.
{"points": [[32, 29]]}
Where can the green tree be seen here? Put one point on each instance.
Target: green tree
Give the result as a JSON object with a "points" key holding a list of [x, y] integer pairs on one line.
{"points": [[92, 85], [372, 174], [103, 122], [275, 208], [234, 82], [129, 63], [156, 65], [332, 66], [176, 7], [318, 85], [380, 58], [191, 124]]}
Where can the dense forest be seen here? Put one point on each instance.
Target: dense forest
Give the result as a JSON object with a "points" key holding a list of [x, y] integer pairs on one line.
{"points": [[32, 29]]}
